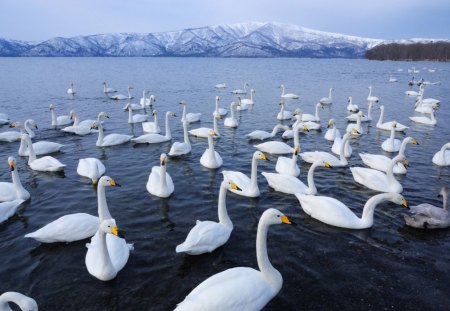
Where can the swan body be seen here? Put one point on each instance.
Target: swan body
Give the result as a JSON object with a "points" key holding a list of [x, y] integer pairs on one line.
{"points": [[240, 106], [376, 180], [335, 213], [220, 86], [291, 185], [26, 127], [327, 100], [40, 147], [241, 288], [366, 118], [231, 120], [15, 190], [135, 118], [71, 89], [352, 107], [288, 166], [159, 181], [288, 96], [263, 135], [181, 148], [356, 129], [422, 107], [412, 93], [107, 89], [25, 303], [425, 120], [110, 139], [313, 118], [191, 117], [211, 158], [9, 136], [336, 147], [60, 120], [249, 186], [301, 127], [152, 127], [144, 101], [381, 162], [332, 131], [392, 79], [8, 208], [204, 131], [240, 91], [428, 216], [371, 98], [133, 107], [44, 164], [284, 114], [77, 122], [387, 126], [219, 111], [206, 236], [312, 156], [78, 128], [442, 157], [391, 144], [275, 147], [156, 138], [91, 168], [4, 118], [121, 96], [248, 101]]}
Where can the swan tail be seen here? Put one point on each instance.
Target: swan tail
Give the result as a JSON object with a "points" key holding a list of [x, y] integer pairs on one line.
{"points": [[130, 246], [181, 248]]}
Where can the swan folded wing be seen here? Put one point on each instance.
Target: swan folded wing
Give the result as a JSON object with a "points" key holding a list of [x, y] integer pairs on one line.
{"points": [[178, 147], [366, 176], [205, 236], [422, 221], [258, 134], [429, 210], [118, 249], [7, 209], [285, 183], [115, 139], [239, 178], [312, 156], [150, 138], [233, 289], [7, 191]]}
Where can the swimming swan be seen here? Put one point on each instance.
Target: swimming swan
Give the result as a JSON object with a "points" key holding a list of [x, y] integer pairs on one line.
{"points": [[371, 98], [156, 138], [248, 101], [263, 135], [313, 118], [71, 89], [336, 147], [91, 168], [352, 107], [249, 186], [211, 158], [327, 100], [121, 96], [219, 111], [15, 190], [241, 288], [8, 208], [135, 118], [335, 213], [366, 118], [11, 136], [107, 89], [288, 96], [60, 120], [288, 166], [391, 144], [110, 139], [152, 127], [284, 114], [181, 148], [332, 131], [442, 157], [207, 235], [44, 164], [387, 126], [278, 147], [231, 121], [40, 147], [204, 131], [159, 181], [425, 120], [191, 117]]}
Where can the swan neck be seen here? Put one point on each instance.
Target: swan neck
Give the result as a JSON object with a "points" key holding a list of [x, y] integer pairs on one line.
{"points": [[163, 176], [22, 147], [432, 115], [168, 133], [392, 137], [155, 119], [317, 112], [103, 210], [129, 93], [224, 219], [16, 182], [403, 147], [296, 136], [254, 174], [215, 127], [8, 297], [275, 130], [266, 268], [130, 115], [100, 134], [369, 208], [32, 154], [282, 108], [211, 145], [329, 94], [390, 170], [28, 129], [369, 112], [183, 118], [104, 258], [185, 134], [76, 120], [54, 120], [232, 111], [380, 119], [311, 185], [445, 201]]}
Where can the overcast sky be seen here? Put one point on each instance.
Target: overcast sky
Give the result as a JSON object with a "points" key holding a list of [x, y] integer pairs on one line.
{"points": [[35, 20]]}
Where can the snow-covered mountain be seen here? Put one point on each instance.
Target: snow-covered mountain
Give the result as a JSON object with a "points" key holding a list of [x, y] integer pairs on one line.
{"points": [[251, 39]]}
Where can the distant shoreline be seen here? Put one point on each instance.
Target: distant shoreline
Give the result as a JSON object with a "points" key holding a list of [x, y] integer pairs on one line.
{"points": [[435, 51]]}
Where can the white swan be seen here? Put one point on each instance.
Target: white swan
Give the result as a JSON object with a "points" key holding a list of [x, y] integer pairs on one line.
{"points": [[332, 131], [219, 111], [135, 118], [156, 138], [366, 118], [181, 148], [350, 106], [144, 101], [371, 98], [421, 107], [391, 144], [4, 118], [40, 147], [134, 107], [211, 158], [240, 106], [60, 120], [100, 260], [220, 86], [288, 96], [110, 139], [79, 128], [91, 168], [204, 131], [313, 118], [312, 156], [248, 101], [207, 235], [44, 164], [442, 157], [241, 288], [231, 121], [77, 226], [107, 89], [392, 79], [327, 100], [288, 166], [25, 303], [152, 127], [301, 126], [428, 216], [376, 180], [121, 96], [11, 136], [425, 120], [15, 190], [71, 89], [249, 186], [190, 117], [278, 147], [335, 213], [239, 91], [8, 208], [263, 135], [283, 114], [381, 162], [291, 185], [356, 129], [336, 147], [387, 126], [159, 181]]}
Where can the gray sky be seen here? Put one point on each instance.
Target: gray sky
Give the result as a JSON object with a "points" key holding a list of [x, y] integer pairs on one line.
{"points": [[35, 20]]}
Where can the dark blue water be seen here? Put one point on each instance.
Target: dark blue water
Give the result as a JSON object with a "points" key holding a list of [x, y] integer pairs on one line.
{"points": [[389, 266]]}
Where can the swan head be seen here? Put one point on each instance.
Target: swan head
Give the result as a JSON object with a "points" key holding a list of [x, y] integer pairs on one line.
{"points": [[355, 132], [15, 124], [394, 124], [152, 98], [103, 115], [11, 163], [382, 107], [94, 125], [25, 137], [260, 155], [108, 182], [326, 164], [130, 87], [51, 107], [397, 198], [154, 113], [296, 150], [297, 112], [406, 163], [273, 216], [253, 91], [171, 113], [444, 192], [72, 114], [183, 102], [212, 133], [350, 99], [127, 107], [163, 159], [230, 185], [330, 123], [32, 123], [319, 105], [109, 226], [281, 86], [305, 128], [217, 98]]}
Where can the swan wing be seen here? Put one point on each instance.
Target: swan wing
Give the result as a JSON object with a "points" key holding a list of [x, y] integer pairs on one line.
{"points": [[285, 183], [150, 139], [371, 178], [7, 191], [91, 167], [275, 147], [200, 132], [45, 147], [259, 135], [239, 178], [116, 139], [312, 156], [7, 209], [204, 237], [47, 164]]}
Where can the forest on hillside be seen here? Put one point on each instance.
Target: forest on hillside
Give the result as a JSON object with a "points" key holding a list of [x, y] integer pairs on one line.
{"points": [[436, 51]]}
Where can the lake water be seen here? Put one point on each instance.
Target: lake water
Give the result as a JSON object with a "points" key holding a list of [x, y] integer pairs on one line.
{"points": [[389, 266]]}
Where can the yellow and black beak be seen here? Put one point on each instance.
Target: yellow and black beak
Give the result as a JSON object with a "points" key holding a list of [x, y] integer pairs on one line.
{"points": [[327, 165], [264, 157], [12, 125], [296, 150], [286, 220], [94, 126], [355, 131], [11, 165], [404, 203], [113, 183], [235, 187], [305, 128], [414, 142], [115, 231], [406, 163]]}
